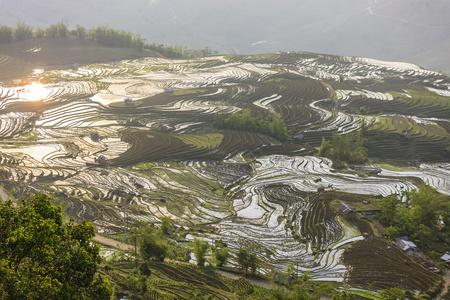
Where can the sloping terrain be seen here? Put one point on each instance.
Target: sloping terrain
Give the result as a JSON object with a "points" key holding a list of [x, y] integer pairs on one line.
{"points": [[19, 59], [388, 266], [402, 30], [107, 160]]}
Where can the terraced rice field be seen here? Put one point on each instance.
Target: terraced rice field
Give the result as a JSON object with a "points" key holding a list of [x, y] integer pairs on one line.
{"points": [[386, 268], [71, 134]]}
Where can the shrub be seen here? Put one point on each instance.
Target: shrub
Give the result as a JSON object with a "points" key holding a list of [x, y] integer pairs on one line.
{"points": [[200, 248], [221, 256], [150, 246]]}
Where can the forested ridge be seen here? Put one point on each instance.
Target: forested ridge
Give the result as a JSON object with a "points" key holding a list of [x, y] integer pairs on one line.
{"points": [[102, 34]]}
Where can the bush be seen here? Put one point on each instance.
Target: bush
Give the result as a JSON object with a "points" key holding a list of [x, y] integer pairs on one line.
{"points": [[247, 258], [166, 225], [41, 257], [200, 248], [349, 148], [248, 122], [221, 256], [150, 245]]}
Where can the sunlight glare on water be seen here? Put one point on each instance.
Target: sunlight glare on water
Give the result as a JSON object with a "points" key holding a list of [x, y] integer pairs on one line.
{"points": [[34, 92]]}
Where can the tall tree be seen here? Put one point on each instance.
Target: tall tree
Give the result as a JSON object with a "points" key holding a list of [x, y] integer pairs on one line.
{"points": [[43, 258], [6, 34], [388, 209], [22, 31], [81, 32], [151, 246], [200, 248]]}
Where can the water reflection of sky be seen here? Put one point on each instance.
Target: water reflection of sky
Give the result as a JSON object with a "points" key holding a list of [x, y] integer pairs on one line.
{"points": [[37, 151]]}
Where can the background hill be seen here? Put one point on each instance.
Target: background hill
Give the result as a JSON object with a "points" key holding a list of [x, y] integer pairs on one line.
{"points": [[402, 30], [19, 59]]}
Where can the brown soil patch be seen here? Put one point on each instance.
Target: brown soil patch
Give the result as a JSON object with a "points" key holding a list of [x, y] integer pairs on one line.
{"points": [[112, 243], [375, 267]]}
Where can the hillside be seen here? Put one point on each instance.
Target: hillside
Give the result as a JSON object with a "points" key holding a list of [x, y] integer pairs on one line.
{"points": [[19, 59], [137, 140], [414, 31]]}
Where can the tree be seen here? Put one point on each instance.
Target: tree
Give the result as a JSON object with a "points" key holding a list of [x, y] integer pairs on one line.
{"points": [[6, 34], [42, 258], [392, 232], [246, 121], [424, 210], [348, 147], [200, 248], [426, 206], [246, 255], [221, 256], [22, 31], [388, 209], [62, 29], [324, 147], [151, 246], [81, 32], [166, 225]]}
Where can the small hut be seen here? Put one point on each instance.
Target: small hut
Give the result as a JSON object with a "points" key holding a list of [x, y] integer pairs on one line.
{"points": [[298, 138], [101, 160], [347, 211], [282, 278], [446, 258], [406, 245], [128, 101], [95, 137], [168, 90], [75, 67]]}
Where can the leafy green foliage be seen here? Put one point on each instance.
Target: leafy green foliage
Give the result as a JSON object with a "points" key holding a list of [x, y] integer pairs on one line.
{"points": [[310, 291], [425, 206], [199, 296], [57, 30], [388, 207], [424, 211], [151, 246], [247, 258], [221, 256], [137, 281], [166, 225], [177, 251], [200, 248], [103, 34], [22, 31], [42, 258], [344, 296], [81, 32], [248, 122], [349, 148], [6, 34], [393, 294]]}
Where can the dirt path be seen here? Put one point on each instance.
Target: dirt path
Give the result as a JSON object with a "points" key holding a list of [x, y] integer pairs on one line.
{"points": [[112, 243], [258, 281]]}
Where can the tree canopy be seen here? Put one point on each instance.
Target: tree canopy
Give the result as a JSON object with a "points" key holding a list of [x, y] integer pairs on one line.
{"points": [[245, 120], [102, 34], [423, 216], [43, 258], [348, 147]]}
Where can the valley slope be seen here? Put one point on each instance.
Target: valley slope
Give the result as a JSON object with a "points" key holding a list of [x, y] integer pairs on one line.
{"points": [[73, 135]]}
